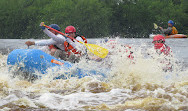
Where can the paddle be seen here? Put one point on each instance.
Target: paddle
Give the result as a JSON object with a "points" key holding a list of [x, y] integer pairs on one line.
{"points": [[155, 26], [95, 49]]}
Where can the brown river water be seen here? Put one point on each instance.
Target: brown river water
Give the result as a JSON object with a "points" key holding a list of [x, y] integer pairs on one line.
{"points": [[132, 85]]}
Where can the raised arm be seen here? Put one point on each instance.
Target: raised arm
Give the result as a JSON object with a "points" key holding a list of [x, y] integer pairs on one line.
{"points": [[45, 42], [58, 38], [166, 31]]}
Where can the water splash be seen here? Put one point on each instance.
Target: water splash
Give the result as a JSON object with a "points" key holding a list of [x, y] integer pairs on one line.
{"points": [[132, 84]]}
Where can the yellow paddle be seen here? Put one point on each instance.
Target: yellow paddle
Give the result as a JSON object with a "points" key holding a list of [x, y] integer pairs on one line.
{"points": [[155, 26], [95, 49]]}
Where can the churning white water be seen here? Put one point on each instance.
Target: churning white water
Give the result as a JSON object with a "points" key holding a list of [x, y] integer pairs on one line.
{"points": [[140, 83]]}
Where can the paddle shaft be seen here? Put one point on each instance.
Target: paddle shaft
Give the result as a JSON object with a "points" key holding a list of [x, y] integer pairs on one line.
{"points": [[95, 49], [61, 33]]}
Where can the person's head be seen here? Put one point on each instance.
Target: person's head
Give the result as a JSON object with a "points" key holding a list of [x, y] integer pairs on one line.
{"points": [[71, 30], [170, 23], [54, 26], [158, 41]]}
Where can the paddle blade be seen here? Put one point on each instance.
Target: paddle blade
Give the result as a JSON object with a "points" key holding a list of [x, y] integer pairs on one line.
{"points": [[155, 26], [97, 50]]}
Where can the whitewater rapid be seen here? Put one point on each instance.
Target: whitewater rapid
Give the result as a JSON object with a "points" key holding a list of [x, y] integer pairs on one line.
{"points": [[138, 84]]}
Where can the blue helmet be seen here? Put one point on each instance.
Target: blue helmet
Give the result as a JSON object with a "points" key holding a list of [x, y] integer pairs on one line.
{"points": [[55, 26], [171, 22]]}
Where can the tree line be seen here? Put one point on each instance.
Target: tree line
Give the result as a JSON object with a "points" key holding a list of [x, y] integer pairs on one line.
{"points": [[92, 18]]}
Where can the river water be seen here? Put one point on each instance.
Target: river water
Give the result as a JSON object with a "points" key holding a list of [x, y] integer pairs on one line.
{"points": [[132, 85]]}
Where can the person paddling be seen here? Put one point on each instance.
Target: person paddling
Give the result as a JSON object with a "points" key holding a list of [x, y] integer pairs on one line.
{"points": [[171, 30], [55, 44], [73, 48]]}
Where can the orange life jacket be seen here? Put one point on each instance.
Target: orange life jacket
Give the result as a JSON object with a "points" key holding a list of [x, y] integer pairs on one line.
{"points": [[165, 50], [70, 49], [174, 31], [53, 47], [85, 40]]}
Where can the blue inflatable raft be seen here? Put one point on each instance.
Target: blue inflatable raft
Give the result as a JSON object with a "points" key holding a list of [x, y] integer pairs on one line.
{"points": [[37, 63]]}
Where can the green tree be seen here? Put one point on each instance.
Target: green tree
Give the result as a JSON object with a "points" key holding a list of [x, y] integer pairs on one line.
{"points": [[92, 18]]}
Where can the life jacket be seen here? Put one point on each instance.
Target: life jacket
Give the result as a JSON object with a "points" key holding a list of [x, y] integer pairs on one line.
{"points": [[70, 49], [53, 47], [165, 50], [174, 31], [85, 40]]}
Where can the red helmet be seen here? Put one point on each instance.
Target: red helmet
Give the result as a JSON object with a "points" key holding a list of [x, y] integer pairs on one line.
{"points": [[70, 29], [158, 37]]}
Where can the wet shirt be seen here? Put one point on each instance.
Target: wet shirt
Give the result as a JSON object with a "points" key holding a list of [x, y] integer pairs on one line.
{"points": [[57, 40]]}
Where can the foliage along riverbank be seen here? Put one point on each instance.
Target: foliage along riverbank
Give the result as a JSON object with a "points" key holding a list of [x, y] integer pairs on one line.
{"points": [[92, 18]]}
